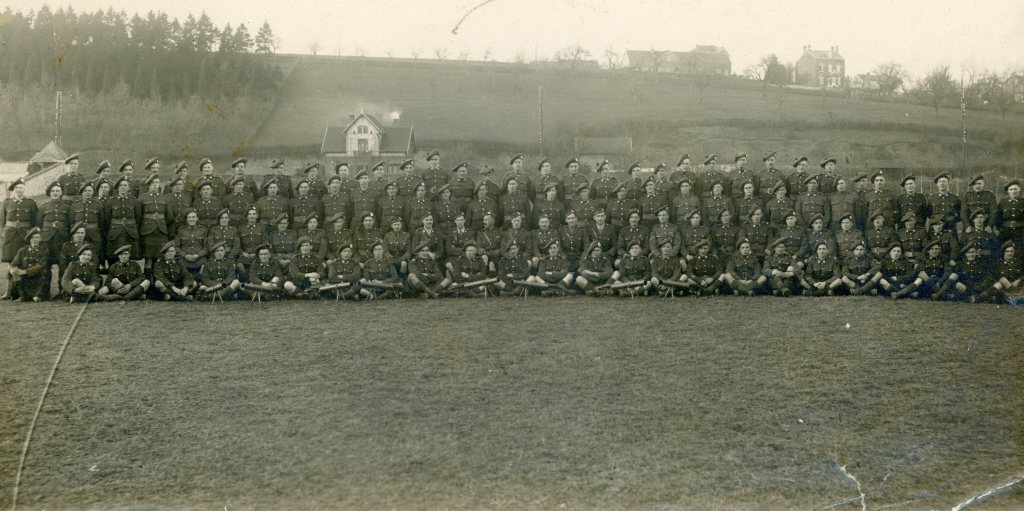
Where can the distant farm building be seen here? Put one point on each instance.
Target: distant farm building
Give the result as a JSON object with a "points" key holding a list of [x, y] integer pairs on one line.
{"points": [[366, 137], [819, 68], [701, 60]]}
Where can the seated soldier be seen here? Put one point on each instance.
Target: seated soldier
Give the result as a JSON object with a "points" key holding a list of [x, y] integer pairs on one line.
{"points": [[219, 275], [596, 268], [634, 272], [171, 277], [860, 271], [425, 274], [553, 269], [780, 269], [897, 272], [345, 270], [264, 274], [468, 270], [667, 269], [743, 271], [125, 279], [512, 268], [705, 270], [305, 272], [81, 281], [379, 278], [820, 276]]}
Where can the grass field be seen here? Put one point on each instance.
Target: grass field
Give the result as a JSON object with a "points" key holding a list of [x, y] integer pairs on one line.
{"points": [[548, 403], [664, 114]]}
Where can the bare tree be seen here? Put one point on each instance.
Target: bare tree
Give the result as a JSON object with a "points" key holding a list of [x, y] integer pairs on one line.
{"points": [[464, 55], [995, 91], [574, 55], [612, 58], [440, 52], [755, 71], [936, 88], [314, 47], [890, 77]]}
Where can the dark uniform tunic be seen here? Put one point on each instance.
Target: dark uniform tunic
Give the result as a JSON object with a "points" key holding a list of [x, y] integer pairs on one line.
{"points": [[634, 268], [390, 209], [344, 270], [794, 238], [380, 269], [336, 239], [217, 271], [414, 210], [618, 211], [513, 268], [262, 273], [821, 270], [463, 189], [488, 243], [172, 273], [570, 183], [972, 200], [228, 235], [363, 240], [407, 185], [86, 273], [526, 185], [70, 183], [665, 267], [207, 210], [976, 275], [553, 209], [53, 223], [878, 240], [601, 190], [433, 239], [846, 241], [177, 205], [945, 205], [745, 205], [897, 272], [602, 266], [237, 205], [397, 246], [154, 229], [682, 205], [553, 268], [795, 184], [334, 203], [881, 201], [191, 241], [915, 203], [814, 238], [307, 263], [474, 268], [539, 238], [122, 215], [649, 206], [810, 204], [434, 179], [767, 180], [912, 240], [426, 270], [777, 209], [572, 241], [520, 237], [1009, 219], [701, 267], [744, 267], [739, 177], [712, 207], [629, 234], [510, 204], [270, 207], [827, 182], [841, 203], [724, 238], [363, 202], [475, 211], [445, 212], [692, 234], [456, 240], [284, 246], [854, 266], [91, 212], [251, 236], [215, 182], [301, 206], [759, 235]]}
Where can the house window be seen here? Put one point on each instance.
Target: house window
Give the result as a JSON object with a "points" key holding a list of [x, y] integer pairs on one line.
{"points": [[364, 145], [821, 68], [361, 129]]}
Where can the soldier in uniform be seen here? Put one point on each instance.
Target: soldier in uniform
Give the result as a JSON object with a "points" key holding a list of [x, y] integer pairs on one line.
{"points": [[879, 236], [216, 183], [219, 274], [546, 178], [30, 269], [663, 186], [573, 179], [897, 272], [433, 176], [860, 271], [444, 209], [910, 236], [379, 179], [152, 166], [283, 242], [493, 190], [335, 200], [69, 251], [526, 186], [304, 203], [81, 280], [757, 232], [596, 268], [812, 202], [933, 272], [102, 173], [363, 199], [408, 181], [780, 268], [840, 203], [284, 181], [944, 203], [89, 212], [709, 175], [155, 213], [425, 275], [685, 201], [251, 235], [583, 205], [821, 274], [338, 235], [605, 234], [724, 235], [317, 188], [977, 197], [554, 268], [71, 181], [207, 205], [692, 232], [633, 232], [378, 270], [513, 203], [972, 275], [1009, 216], [227, 233], [633, 267], [848, 236], [747, 200], [1008, 275], [945, 238], [513, 267], [170, 276], [341, 170], [398, 246], [181, 171], [345, 269], [572, 239], [177, 203], [238, 166], [621, 206], [457, 238], [711, 207], [793, 235], [488, 240], [468, 267], [795, 181], [743, 271], [770, 176], [705, 270], [52, 218], [650, 204], [540, 237], [515, 233], [420, 206], [684, 171], [740, 175], [264, 272], [125, 280], [815, 235], [827, 180], [910, 201], [238, 200], [122, 214], [666, 268], [390, 206], [272, 204], [316, 235], [635, 186], [307, 270], [429, 235], [604, 186], [880, 199], [127, 169], [190, 242], [984, 240], [549, 206]]}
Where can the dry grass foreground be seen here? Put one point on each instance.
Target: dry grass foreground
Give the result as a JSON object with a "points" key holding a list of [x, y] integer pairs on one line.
{"points": [[560, 403]]}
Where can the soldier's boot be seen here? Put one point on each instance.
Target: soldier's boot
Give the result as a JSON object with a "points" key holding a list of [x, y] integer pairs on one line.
{"points": [[991, 294], [942, 291], [905, 292], [135, 293]]}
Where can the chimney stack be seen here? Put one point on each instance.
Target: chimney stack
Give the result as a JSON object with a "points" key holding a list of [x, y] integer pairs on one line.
{"points": [[351, 116]]}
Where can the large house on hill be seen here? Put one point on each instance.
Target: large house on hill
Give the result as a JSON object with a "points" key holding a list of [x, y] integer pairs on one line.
{"points": [[820, 68], [702, 59], [366, 136]]}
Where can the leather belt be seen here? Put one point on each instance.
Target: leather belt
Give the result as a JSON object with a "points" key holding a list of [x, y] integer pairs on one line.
{"points": [[122, 221], [55, 224], [154, 216], [13, 223]]}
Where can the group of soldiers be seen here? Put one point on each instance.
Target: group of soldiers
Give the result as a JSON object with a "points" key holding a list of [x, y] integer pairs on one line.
{"points": [[695, 230]]}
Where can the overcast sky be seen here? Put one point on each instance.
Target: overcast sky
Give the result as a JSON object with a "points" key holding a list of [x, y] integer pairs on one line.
{"points": [[918, 33]]}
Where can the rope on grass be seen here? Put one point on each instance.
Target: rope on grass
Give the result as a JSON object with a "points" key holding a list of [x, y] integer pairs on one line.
{"points": [[39, 406]]}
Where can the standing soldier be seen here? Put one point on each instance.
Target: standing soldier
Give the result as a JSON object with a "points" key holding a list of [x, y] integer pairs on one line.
{"points": [[216, 183], [444, 209], [348, 184], [711, 208], [664, 231], [748, 199], [635, 185], [181, 171], [177, 203], [650, 203], [795, 181], [1009, 217], [284, 182], [546, 178], [548, 206], [620, 207], [944, 203], [155, 214], [379, 179], [526, 186], [317, 188], [812, 202], [684, 171], [420, 206], [408, 181], [127, 169], [335, 200], [462, 187], [493, 190], [52, 218], [880, 199], [827, 181], [433, 176], [237, 200], [102, 174], [709, 175], [740, 175], [663, 186], [152, 166], [603, 188], [304, 203], [573, 179], [390, 206], [685, 201], [251, 235], [272, 204], [283, 242], [572, 239], [911, 236], [634, 233], [583, 205], [89, 212], [977, 197], [770, 176], [513, 203], [207, 205], [363, 199], [72, 180], [841, 203], [862, 187], [880, 235], [910, 201], [190, 240], [779, 206], [122, 214], [238, 166], [225, 232]]}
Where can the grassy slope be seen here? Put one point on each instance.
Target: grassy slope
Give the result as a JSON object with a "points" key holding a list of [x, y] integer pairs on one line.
{"points": [[665, 116], [594, 403]]}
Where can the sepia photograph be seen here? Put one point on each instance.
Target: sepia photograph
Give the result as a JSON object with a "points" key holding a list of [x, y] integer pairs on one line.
{"points": [[651, 255]]}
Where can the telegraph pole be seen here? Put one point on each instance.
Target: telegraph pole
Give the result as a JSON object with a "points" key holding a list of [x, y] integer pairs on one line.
{"points": [[963, 121], [540, 119], [56, 137]]}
